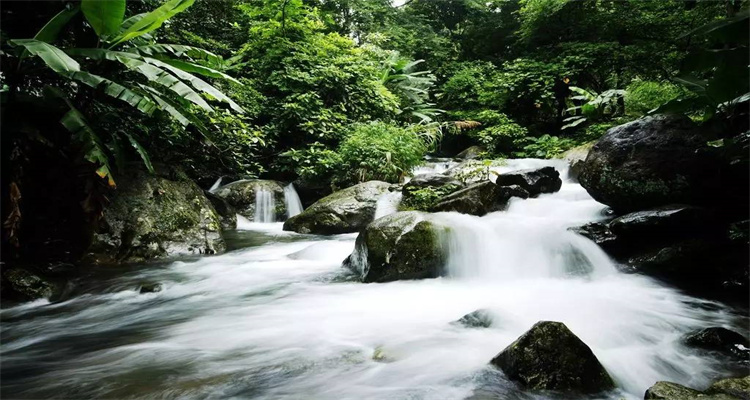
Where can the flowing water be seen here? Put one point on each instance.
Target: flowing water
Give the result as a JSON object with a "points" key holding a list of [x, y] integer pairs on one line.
{"points": [[292, 201], [216, 185], [387, 204], [279, 318], [265, 206]]}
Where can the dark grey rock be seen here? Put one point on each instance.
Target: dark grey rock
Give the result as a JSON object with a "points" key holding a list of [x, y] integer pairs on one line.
{"points": [[534, 181]]}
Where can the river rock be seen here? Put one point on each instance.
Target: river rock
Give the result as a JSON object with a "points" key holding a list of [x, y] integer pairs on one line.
{"points": [[550, 357], [721, 340], [672, 391], [676, 220], [241, 196], [227, 213], [403, 245], [478, 319], [534, 181], [576, 158], [154, 216], [345, 211], [430, 180], [650, 162], [600, 234], [477, 199], [150, 288], [738, 387], [20, 284]]}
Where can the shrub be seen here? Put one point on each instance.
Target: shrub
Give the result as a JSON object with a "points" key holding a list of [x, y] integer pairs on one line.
{"points": [[644, 96], [502, 135], [546, 146], [315, 164], [379, 151]]}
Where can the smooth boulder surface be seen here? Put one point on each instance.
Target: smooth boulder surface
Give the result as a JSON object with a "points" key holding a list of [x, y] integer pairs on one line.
{"points": [[153, 216], [477, 199], [534, 181], [345, 211], [653, 161], [675, 220], [719, 339], [241, 196], [399, 246], [550, 357]]}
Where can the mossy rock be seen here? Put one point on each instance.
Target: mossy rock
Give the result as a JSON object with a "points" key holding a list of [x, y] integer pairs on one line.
{"points": [[241, 196], [672, 391], [155, 216], [477, 199], [345, 211], [738, 387], [550, 357], [403, 245], [19, 284], [653, 161]]}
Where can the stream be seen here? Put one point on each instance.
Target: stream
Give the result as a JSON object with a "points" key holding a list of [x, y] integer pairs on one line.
{"points": [[277, 317]]}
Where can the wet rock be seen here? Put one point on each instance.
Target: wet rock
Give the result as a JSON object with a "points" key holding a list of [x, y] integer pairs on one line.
{"points": [[477, 199], [473, 171], [227, 213], [654, 161], [550, 357], [720, 339], [672, 391], [241, 196], [576, 158], [478, 319], [471, 153], [345, 211], [20, 284], [676, 220], [155, 216], [151, 288], [600, 234], [430, 180], [504, 193], [738, 387], [404, 245], [534, 181]]}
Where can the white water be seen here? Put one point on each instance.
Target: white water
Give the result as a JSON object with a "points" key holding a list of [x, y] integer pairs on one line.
{"points": [[387, 204], [277, 321], [292, 201], [265, 206], [216, 185]]}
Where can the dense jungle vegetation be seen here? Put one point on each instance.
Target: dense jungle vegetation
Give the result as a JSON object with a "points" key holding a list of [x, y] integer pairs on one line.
{"points": [[332, 92]]}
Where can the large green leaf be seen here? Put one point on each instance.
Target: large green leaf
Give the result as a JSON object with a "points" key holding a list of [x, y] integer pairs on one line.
{"points": [[141, 152], [52, 29], [105, 16], [152, 20], [171, 108], [55, 58], [206, 57], [93, 149], [198, 69]]}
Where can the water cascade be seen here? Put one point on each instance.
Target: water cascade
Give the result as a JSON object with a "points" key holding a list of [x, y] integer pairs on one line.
{"points": [[265, 206], [281, 319], [387, 204], [216, 185], [292, 201]]}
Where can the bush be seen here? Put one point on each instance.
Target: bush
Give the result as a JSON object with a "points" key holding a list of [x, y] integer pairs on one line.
{"points": [[379, 151], [315, 164], [643, 96], [501, 135], [546, 146]]}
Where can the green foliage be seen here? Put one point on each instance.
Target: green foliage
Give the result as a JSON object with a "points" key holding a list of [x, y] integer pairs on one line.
{"points": [[546, 146], [315, 164], [644, 96], [502, 136], [595, 106], [424, 199], [379, 151]]}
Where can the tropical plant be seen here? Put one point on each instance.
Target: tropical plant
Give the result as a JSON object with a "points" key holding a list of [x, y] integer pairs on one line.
{"points": [[413, 87], [595, 107], [545, 146], [644, 96], [163, 77]]}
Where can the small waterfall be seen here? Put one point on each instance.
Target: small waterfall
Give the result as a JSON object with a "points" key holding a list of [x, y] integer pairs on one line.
{"points": [[292, 201], [265, 206], [216, 185], [387, 204]]}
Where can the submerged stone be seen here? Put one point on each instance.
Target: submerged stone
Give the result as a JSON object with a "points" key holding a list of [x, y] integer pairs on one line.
{"points": [[550, 357], [478, 319], [151, 288]]}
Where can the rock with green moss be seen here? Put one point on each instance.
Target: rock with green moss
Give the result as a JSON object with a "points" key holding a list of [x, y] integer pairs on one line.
{"points": [[550, 357], [653, 161], [477, 199], [155, 216], [471, 153], [403, 245], [737, 387], [21, 285], [227, 213], [241, 195], [672, 391], [345, 211]]}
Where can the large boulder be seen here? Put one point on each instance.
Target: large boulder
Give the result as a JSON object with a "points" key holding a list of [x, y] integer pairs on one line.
{"points": [[650, 162], [242, 196], [675, 220], [550, 357], [227, 213], [672, 391], [345, 211], [154, 216], [738, 387], [471, 153], [403, 245], [534, 181], [720, 340]]}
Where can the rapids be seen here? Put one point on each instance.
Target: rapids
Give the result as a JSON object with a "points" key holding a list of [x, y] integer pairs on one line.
{"points": [[279, 318]]}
